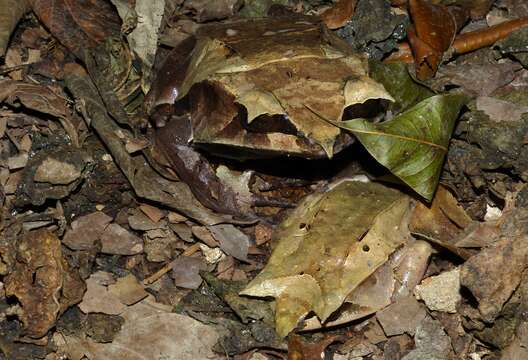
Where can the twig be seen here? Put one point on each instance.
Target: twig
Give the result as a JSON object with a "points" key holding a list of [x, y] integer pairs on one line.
{"points": [[168, 267], [467, 42]]}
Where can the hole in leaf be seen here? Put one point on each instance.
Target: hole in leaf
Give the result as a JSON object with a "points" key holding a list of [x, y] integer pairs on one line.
{"points": [[304, 226]]}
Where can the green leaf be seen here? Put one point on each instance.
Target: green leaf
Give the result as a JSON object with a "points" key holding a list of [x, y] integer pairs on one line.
{"points": [[397, 81], [413, 145]]}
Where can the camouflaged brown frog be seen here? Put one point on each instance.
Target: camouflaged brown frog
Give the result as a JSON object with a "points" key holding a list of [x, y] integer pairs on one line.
{"points": [[252, 89]]}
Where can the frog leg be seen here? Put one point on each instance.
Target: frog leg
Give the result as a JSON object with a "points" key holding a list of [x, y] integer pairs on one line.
{"points": [[193, 168]]}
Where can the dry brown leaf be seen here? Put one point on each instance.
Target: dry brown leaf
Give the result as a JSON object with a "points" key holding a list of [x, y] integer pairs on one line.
{"points": [[40, 98], [494, 273], [186, 272], [328, 246], [338, 15], [79, 25], [97, 299], [477, 8], [434, 30], [86, 230], [10, 12], [444, 219], [232, 241], [402, 316], [299, 349], [151, 330], [155, 214], [206, 10], [119, 241], [128, 290]]}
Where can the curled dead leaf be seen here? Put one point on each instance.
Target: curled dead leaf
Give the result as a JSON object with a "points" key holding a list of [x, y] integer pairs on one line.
{"points": [[434, 30]]}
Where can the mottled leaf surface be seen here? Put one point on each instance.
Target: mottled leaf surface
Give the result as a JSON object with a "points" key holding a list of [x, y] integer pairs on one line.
{"points": [[327, 247], [78, 24]]}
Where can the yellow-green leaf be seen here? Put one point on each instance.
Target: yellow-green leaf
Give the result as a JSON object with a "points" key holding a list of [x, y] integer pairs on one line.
{"points": [[327, 247]]}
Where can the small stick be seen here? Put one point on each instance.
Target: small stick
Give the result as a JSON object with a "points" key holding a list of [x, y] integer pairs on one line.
{"points": [[485, 37], [168, 267], [467, 42]]}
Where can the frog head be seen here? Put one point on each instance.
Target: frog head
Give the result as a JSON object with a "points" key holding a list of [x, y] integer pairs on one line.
{"points": [[262, 87]]}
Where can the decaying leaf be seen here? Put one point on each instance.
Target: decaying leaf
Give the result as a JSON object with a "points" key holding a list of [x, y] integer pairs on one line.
{"points": [[501, 110], [412, 145], [10, 12], [434, 30], [494, 273], [40, 98], [43, 282], [431, 342], [78, 25], [476, 78], [261, 74], [232, 241], [150, 331], [86, 230], [98, 299], [339, 14], [402, 316], [515, 45], [327, 247], [444, 219], [143, 38]]}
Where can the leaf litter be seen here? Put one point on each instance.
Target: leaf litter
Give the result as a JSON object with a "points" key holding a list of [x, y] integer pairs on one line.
{"points": [[181, 179]]}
